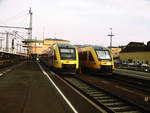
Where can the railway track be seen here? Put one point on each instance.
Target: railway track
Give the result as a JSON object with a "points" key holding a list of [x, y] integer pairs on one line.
{"points": [[138, 85], [106, 100]]}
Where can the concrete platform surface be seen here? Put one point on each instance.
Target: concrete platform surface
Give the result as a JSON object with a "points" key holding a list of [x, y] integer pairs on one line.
{"points": [[25, 89]]}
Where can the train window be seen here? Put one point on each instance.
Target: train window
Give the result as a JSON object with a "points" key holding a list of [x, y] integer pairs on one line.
{"points": [[67, 53], [64, 50], [103, 54], [91, 57]]}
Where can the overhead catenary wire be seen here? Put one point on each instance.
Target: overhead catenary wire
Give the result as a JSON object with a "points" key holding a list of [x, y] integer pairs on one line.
{"points": [[15, 33], [16, 16]]}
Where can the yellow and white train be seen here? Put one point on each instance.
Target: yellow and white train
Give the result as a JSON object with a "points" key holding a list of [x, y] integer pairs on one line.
{"points": [[96, 59], [62, 58]]}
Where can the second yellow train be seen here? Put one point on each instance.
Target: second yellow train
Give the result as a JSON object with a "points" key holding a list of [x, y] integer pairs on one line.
{"points": [[96, 59]]}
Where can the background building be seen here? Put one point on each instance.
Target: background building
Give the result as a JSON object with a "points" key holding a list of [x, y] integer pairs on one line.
{"points": [[38, 46], [136, 52], [116, 52]]}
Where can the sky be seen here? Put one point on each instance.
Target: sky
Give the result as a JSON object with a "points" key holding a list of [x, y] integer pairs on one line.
{"points": [[81, 21]]}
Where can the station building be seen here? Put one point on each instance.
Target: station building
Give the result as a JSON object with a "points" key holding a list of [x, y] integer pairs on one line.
{"points": [[136, 52], [115, 53]]}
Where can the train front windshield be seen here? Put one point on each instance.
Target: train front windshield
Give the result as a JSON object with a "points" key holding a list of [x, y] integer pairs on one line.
{"points": [[103, 54], [67, 53]]}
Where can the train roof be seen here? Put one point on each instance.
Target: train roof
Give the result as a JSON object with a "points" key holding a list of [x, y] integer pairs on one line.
{"points": [[100, 47], [65, 45], [94, 46]]}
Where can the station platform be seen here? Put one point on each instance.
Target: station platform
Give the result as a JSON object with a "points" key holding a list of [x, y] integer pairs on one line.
{"points": [[137, 74], [25, 89]]}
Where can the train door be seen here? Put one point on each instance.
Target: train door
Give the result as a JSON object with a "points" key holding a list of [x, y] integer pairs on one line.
{"points": [[91, 62], [50, 58], [54, 61], [84, 59]]}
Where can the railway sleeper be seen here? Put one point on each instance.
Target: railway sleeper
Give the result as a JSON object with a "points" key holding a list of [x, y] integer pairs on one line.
{"points": [[100, 96], [123, 109], [89, 90], [83, 87], [94, 92], [108, 101], [97, 95], [104, 97], [72, 79], [76, 82], [115, 104]]}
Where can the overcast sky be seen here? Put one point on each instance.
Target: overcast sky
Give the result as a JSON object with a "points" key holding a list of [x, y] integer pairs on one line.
{"points": [[81, 21]]}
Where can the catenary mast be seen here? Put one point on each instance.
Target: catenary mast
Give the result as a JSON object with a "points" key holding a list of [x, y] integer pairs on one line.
{"points": [[30, 25], [111, 35]]}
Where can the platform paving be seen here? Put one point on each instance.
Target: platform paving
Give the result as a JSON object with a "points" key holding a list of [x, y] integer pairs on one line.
{"points": [[25, 89]]}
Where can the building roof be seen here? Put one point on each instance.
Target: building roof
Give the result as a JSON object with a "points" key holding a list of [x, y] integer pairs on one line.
{"points": [[32, 41], [136, 47], [136, 44], [56, 39]]}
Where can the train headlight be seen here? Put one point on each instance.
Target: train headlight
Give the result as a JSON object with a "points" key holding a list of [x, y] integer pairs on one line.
{"points": [[106, 63]]}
